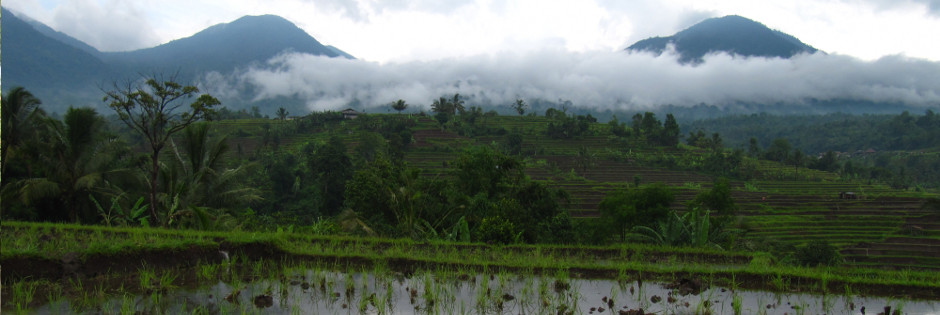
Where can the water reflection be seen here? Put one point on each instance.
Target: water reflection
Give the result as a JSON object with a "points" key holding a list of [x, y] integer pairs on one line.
{"points": [[311, 291]]}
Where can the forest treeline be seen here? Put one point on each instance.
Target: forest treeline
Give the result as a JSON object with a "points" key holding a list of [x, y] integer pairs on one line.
{"points": [[103, 168], [838, 132], [901, 150]]}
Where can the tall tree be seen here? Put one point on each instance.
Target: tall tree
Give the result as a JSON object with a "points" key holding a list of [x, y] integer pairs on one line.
{"points": [[828, 162], [156, 110], [650, 126], [718, 199], [637, 123], [642, 206], [457, 103], [520, 106], [333, 168], [20, 113], [200, 184], [670, 132], [753, 148], [797, 159], [779, 150], [442, 105], [282, 113], [399, 105], [75, 165]]}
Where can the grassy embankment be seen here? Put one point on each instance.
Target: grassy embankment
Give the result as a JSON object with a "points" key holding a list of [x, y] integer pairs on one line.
{"points": [[38, 255]]}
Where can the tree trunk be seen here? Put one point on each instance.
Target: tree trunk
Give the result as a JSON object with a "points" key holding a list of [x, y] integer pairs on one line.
{"points": [[155, 160]]}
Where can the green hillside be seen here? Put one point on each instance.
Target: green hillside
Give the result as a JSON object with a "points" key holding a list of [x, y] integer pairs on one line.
{"points": [[239, 198], [463, 174], [779, 205]]}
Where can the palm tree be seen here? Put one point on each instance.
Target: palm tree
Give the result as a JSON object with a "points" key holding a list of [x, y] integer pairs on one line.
{"points": [[198, 185], [457, 104], [399, 105], [282, 113], [442, 105], [520, 106], [20, 116], [77, 163]]}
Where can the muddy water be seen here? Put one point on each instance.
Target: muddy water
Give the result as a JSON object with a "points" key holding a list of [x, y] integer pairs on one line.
{"points": [[325, 292]]}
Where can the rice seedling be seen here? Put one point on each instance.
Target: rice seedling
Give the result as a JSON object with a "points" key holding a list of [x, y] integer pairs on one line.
{"points": [[146, 277], [128, 305], [23, 293], [54, 294], [705, 302], [350, 286], [482, 294], [76, 284], [167, 280], [207, 271], [799, 308], [736, 304], [779, 283]]}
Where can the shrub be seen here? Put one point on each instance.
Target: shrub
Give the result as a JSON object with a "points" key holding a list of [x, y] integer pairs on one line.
{"points": [[642, 206], [496, 230], [818, 252], [594, 231]]}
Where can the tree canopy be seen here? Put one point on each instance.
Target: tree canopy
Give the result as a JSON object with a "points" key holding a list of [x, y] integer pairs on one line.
{"points": [[157, 110]]}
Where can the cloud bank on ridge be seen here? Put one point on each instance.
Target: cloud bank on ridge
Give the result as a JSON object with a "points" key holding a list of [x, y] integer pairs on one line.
{"points": [[601, 80]]}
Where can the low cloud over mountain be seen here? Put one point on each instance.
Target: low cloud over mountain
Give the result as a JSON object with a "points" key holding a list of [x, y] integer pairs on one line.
{"points": [[603, 80]]}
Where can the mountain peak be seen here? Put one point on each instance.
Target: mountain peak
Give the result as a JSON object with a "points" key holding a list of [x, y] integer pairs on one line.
{"points": [[733, 34], [217, 48], [266, 22], [64, 71]]}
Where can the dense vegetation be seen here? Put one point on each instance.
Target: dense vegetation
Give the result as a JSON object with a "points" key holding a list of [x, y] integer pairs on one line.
{"points": [[456, 174], [541, 193], [896, 149]]}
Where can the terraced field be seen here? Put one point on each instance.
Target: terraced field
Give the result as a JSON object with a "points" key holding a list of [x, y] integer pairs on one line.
{"points": [[883, 228]]}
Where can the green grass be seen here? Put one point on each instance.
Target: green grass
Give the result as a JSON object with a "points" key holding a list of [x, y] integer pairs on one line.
{"points": [[590, 261]]}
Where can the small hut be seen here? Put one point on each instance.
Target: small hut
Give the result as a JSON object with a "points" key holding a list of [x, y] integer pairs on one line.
{"points": [[350, 113]]}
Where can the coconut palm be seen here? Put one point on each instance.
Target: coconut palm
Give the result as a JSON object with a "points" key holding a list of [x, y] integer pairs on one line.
{"points": [[442, 105], [282, 113], [457, 104], [399, 106], [199, 187], [77, 163], [20, 116], [520, 106]]}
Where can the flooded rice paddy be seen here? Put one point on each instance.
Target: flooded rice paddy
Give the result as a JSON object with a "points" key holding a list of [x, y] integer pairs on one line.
{"points": [[304, 290]]}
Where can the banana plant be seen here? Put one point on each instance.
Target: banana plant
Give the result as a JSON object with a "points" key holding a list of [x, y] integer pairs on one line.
{"points": [[116, 214]]}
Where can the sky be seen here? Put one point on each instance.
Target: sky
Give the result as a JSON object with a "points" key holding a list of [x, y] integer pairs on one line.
{"points": [[427, 30]]}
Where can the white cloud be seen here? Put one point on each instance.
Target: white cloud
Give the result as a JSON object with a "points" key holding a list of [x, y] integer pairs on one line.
{"points": [[106, 25], [596, 79], [409, 30]]}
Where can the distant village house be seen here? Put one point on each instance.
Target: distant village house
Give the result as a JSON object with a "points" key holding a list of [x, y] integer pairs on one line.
{"points": [[350, 113]]}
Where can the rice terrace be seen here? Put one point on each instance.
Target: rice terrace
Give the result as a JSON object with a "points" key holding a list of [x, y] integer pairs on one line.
{"points": [[882, 261], [249, 169]]}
